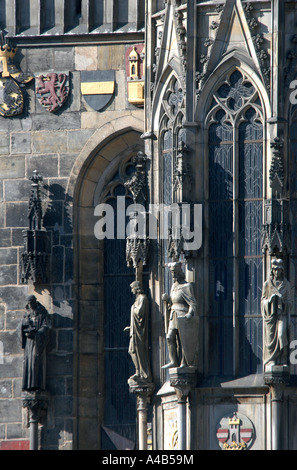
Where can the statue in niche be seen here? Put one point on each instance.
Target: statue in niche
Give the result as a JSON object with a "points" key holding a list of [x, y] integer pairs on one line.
{"points": [[33, 331], [181, 321], [138, 329], [276, 303]]}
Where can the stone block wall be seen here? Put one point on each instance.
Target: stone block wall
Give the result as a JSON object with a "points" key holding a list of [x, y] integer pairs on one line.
{"points": [[51, 144]]}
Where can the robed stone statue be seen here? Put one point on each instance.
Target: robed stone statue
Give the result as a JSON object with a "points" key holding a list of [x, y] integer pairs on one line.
{"points": [[181, 321], [276, 303], [138, 329], [33, 332]]}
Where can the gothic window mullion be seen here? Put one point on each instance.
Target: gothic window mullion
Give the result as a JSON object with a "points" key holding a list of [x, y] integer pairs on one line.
{"points": [[236, 305], [235, 146]]}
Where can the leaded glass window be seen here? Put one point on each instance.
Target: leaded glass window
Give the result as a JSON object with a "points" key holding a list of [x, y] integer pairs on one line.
{"points": [[119, 403], [235, 205]]}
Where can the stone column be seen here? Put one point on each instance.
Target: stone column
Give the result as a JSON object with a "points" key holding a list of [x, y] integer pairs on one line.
{"points": [[143, 396], [277, 377], [183, 379], [36, 403], [182, 417]]}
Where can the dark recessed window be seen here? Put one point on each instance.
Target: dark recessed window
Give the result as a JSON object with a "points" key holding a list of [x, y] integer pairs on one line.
{"points": [[78, 7]]}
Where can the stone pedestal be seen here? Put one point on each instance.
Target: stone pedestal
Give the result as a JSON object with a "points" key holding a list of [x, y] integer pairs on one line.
{"points": [[143, 392], [36, 402], [183, 379], [277, 376]]}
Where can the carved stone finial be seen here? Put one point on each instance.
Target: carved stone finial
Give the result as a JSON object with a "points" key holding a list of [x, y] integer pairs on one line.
{"points": [[276, 172], [34, 256], [35, 209]]}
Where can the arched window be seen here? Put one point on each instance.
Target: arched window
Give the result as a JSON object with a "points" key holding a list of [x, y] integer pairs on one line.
{"points": [[119, 403], [235, 205]]}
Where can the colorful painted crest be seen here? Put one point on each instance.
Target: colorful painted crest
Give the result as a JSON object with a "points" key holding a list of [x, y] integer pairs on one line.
{"points": [[98, 87], [11, 80], [11, 97], [235, 432], [52, 90]]}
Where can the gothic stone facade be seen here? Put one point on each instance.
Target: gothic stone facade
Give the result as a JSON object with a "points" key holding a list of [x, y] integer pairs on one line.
{"points": [[217, 125]]}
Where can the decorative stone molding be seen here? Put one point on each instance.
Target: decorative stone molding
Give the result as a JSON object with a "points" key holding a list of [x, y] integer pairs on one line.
{"points": [[201, 75], [137, 248], [182, 172], [258, 41], [183, 379], [277, 375], [276, 231], [137, 184], [35, 400], [36, 240], [181, 32]]}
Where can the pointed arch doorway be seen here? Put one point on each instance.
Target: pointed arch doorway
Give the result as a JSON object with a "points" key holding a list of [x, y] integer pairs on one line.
{"points": [[104, 411]]}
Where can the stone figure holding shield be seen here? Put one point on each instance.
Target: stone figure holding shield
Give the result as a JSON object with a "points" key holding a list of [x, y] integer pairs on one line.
{"points": [[181, 321]]}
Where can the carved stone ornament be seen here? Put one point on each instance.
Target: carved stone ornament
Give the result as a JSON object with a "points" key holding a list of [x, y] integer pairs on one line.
{"points": [[258, 40], [137, 184], [137, 244], [11, 81], [52, 90], [36, 242], [202, 74], [137, 250], [181, 34], [37, 400], [276, 232], [235, 432], [183, 379], [182, 172]]}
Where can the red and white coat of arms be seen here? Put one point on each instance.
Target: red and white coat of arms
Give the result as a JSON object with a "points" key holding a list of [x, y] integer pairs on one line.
{"points": [[235, 432], [52, 90]]}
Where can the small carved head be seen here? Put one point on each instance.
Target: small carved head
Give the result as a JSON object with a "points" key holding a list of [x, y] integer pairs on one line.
{"points": [[277, 268], [136, 287], [176, 270], [31, 301]]}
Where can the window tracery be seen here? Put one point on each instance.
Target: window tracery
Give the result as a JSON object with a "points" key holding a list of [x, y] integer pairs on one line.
{"points": [[235, 203]]}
